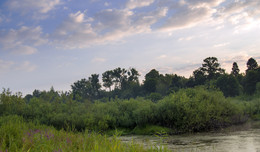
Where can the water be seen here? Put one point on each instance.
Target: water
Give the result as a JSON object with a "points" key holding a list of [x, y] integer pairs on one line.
{"points": [[232, 141]]}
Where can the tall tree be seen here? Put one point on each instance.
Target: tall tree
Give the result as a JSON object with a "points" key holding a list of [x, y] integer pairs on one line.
{"points": [[107, 78], [94, 81], [235, 69], [199, 77], [133, 75], [251, 64], [229, 85], [81, 89], [211, 67], [119, 77], [251, 79], [150, 81]]}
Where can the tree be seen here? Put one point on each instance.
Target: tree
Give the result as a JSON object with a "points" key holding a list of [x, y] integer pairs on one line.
{"points": [[133, 75], [211, 67], [86, 89], [251, 79], [251, 64], [178, 82], [94, 81], [150, 81], [235, 69], [107, 78], [119, 77], [81, 89], [229, 85], [36, 93], [199, 77]]}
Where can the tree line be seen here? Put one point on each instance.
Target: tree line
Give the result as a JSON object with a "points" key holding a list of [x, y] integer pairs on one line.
{"points": [[182, 104], [124, 83]]}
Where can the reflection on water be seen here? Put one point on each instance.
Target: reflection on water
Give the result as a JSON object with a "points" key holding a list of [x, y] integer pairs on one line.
{"points": [[238, 141]]}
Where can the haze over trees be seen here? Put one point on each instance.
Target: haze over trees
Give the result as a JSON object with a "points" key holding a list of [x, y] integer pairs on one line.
{"points": [[166, 101], [124, 83]]}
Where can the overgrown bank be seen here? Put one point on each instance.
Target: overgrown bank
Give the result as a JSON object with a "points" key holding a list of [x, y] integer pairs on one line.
{"points": [[188, 110], [19, 135]]}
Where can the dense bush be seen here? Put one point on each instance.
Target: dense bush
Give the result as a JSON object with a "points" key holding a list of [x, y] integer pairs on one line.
{"points": [[196, 109], [19, 135]]}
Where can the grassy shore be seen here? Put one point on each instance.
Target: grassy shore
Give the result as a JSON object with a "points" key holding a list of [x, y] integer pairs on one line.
{"points": [[18, 135]]}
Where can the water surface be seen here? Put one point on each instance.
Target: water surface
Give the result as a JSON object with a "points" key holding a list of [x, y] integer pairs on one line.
{"points": [[235, 141]]}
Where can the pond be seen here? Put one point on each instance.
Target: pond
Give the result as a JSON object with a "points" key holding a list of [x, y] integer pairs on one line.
{"points": [[245, 140]]}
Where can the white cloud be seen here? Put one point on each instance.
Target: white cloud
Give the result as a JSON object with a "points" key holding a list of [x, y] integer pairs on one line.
{"points": [[80, 31], [186, 38], [26, 66], [75, 32], [24, 50], [221, 44], [23, 40], [27, 6], [243, 15], [5, 65], [99, 60], [113, 19], [205, 3], [15, 66], [186, 17], [163, 56], [107, 4], [132, 4]]}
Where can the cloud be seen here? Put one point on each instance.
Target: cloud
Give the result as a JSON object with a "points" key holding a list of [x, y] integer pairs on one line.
{"points": [[99, 60], [26, 66], [132, 4], [107, 4], [243, 14], [23, 40], [186, 17], [163, 56], [221, 44], [80, 31], [27, 6], [15, 66], [5, 65], [204, 3], [75, 32], [186, 38], [113, 19]]}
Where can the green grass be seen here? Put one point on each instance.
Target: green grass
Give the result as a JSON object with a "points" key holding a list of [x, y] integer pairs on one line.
{"points": [[18, 135]]}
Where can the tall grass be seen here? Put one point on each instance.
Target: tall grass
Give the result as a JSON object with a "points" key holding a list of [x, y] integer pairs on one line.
{"points": [[18, 135]]}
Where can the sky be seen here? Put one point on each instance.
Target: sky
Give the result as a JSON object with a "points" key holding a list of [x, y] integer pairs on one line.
{"points": [[45, 43]]}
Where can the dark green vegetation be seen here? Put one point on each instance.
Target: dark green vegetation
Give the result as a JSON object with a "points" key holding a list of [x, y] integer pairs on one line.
{"points": [[169, 103], [18, 135]]}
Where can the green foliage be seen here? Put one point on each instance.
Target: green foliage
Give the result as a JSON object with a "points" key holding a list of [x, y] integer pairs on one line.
{"points": [[151, 79], [235, 69], [86, 89], [252, 77], [195, 110], [229, 85], [251, 64], [17, 135], [211, 67], [258, 87], [154, 97]]}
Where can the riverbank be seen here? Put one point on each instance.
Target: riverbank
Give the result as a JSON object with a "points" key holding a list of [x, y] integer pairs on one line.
{"points": [[164, 131], [236, 138], [19, 135]]}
